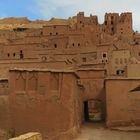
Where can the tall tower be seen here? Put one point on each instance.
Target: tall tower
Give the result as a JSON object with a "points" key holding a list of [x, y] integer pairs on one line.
{"points": [[124, 26], [111, 21], [118, 24]]}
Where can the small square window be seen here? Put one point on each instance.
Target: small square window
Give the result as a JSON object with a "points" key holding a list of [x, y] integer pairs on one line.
{"points": [[55, 45], [104, 55], [84, 59]]}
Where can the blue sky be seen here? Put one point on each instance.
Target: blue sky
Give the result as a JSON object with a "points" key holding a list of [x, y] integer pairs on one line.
{"points": [[46, 9]]}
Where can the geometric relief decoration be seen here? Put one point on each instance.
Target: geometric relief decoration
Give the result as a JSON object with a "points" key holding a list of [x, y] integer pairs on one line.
{"points": [[20, 82], [32, 81], [4, 87], [54, 79]]}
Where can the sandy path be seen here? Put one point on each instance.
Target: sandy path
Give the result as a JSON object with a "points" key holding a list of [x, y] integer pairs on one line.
{"points": [[99, 132]]}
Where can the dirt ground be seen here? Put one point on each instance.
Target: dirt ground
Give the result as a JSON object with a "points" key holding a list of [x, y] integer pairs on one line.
{"points": [[96, 131]]}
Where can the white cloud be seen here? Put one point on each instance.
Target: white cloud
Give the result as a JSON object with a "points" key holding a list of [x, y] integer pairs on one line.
{"points": [[3, 15], [66, 8]]}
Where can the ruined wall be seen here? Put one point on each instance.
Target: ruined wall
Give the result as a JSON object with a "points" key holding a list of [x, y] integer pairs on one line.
{"points": [[123, 98]]}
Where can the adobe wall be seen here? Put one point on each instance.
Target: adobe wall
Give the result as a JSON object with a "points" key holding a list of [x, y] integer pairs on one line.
{"points": [[4, 104], [93, 83], [76, 43], [123, 100], [120, 59], [132, 70], [44, 101]]}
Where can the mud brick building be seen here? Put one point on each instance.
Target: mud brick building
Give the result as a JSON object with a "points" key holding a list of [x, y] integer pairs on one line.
{"points": [[58, 73]]}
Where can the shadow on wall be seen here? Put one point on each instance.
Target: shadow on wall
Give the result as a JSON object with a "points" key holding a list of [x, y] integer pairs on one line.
{"points": [[93, 111]]}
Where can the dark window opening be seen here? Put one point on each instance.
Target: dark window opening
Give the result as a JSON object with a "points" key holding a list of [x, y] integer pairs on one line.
{"points": [[14, 54], [56, 33], [73, 44], [112, 29], [54, 26], [8, 54], [86, 113], [41, 33], [21, 54], [55, 45], [50, 33], [78, 44], [105, 22], [112, 17], [84, 59], [93, 111], [117, 72], [104, 55], [112, 22], [80, 22], [120, 72], [137, 43]]}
